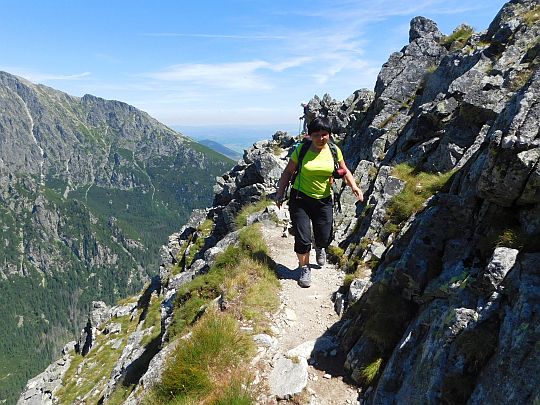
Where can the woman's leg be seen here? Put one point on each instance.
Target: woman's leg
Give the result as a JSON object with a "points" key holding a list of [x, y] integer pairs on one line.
{"points": [[303, 259], [302, 230], [323, 220]]}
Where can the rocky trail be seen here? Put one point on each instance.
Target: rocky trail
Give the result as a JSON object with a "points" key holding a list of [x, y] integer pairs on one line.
{"points": [[300, 364]]}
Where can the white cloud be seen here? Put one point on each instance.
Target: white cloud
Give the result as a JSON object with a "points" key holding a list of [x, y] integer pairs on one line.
{"points": [[240, 75], [287, 64], [40, 77], [250, 75]]}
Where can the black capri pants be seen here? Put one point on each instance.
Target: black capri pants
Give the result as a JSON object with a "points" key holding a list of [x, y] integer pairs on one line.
{"points": [[304, 211]]}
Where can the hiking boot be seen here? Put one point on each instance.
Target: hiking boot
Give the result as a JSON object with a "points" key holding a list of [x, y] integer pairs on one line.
{"points": [[320, 255], [305, 276]]}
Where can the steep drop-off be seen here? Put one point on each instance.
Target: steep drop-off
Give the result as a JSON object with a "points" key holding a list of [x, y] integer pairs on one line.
{"points": [[89, 189]]}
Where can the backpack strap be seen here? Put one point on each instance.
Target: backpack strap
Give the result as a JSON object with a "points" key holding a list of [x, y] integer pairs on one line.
{"points": [[333, 149], [301, 154]]}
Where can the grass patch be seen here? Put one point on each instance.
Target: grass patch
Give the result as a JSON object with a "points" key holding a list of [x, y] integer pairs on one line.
{"points": [[236, 393], [460, 35], [388, 120], [336, 255], [209, 368], [520, 79], [197, 239], [365, 243], [85, 374], [211, 359], [419, 186], [242, 274], [192, 297], [360, 273], [277, 150], [245, 212], [531, 17], [120, 394], [431, 68], [152, 320], [260, 298]]}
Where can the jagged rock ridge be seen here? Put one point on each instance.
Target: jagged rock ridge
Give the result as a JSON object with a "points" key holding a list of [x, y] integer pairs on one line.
{"points": [[445, 307]]}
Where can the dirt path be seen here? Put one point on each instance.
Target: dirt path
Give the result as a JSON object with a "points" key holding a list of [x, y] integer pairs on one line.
{"points": [[305, 315]]}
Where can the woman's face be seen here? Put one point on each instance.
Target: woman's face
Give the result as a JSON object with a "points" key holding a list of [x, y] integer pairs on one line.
{"points": [[320, 138]]}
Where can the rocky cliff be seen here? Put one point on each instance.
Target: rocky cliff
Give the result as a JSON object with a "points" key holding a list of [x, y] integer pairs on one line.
{"points": [[445, 251], [89, 189]]}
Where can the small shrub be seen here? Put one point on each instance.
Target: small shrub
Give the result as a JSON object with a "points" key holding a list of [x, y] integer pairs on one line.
{"points": [[511, 238], [365, 243], [370, 372], [352, 264]]}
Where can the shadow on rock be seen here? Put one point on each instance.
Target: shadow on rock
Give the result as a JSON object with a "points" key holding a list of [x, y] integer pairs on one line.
{"points": [[327, 357]]}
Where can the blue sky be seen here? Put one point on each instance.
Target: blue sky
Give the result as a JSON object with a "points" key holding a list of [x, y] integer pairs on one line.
{"points": [[234, 62]]}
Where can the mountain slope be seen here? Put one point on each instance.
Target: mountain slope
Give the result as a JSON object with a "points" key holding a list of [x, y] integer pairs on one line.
{"points": [[88, 190], [443, 292], [221, 149]]}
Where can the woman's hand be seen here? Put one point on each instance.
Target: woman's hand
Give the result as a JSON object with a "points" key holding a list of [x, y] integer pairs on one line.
{"points": [[357, 193], [279, 201], [284, 181]]}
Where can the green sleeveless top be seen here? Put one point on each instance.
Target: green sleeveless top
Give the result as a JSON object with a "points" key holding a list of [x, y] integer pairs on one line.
{"points": [[313, 179]]}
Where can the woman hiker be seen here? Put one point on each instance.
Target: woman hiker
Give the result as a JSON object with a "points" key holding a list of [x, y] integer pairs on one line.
{"points": [[310, 202]]}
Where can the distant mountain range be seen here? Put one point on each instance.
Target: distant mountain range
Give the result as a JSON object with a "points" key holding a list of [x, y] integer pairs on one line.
{"points": [[235, 137], [89, 191], [221, 149]]}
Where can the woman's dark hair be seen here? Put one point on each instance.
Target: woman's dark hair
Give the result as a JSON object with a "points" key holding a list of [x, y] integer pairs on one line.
{"points": [[318, 124]]}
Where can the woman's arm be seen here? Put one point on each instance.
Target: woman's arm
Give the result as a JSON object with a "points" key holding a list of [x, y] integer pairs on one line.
{"points": [[289, 170], [349, 179]]}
